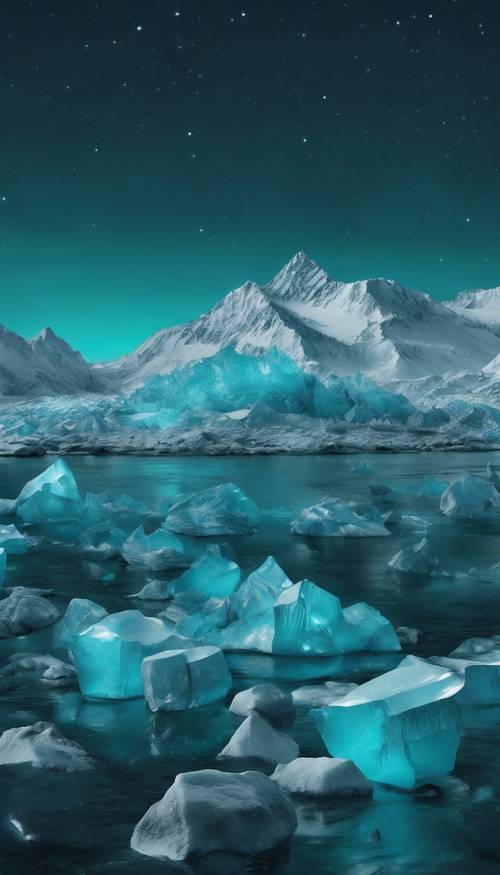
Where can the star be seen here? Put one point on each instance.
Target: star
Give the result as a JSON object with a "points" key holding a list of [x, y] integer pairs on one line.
{"points": [[139, 27]]}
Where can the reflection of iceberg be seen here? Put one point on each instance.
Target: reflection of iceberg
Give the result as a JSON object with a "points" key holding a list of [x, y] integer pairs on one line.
{"points": [[191, 734]]}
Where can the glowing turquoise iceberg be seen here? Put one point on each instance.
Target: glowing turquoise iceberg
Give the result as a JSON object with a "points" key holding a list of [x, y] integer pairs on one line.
{"points": [[402, 728], [52, 496], [470, 497], [79, 615], [159, 550], [220, 510], [212, 574], [335, 518], [176, 680]]}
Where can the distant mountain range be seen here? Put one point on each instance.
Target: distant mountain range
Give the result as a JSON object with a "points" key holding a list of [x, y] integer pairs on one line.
{"points": [[376, 326]]}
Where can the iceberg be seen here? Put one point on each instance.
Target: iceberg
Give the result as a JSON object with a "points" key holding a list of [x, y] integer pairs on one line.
{"points": [[365, 628], [220, 510], [401, 728], [481, 678], [259, 591], [108, 655], [25, 610], [321, 776], [256, 739], [479, 649], [267, 700], [52, 496], [335, 518], [306, 619], [470, 497], [209, 811], [414, 559], [12, 541], [176, 680], [212, 574], [103, 540], [44, 747], [159, 550], [24, 668], [79, 615]]}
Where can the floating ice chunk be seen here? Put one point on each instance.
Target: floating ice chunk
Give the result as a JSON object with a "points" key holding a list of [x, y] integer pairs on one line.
{"points": [[409, 635], [154, 590], [212, 574], [79, 615], [414, 559], [103, 540], [399, 728], [481, 679], [269, 701], [220, 510], [306, 619], [12, 541], [362, 468], [334, 518], [209, 811], [159, 550], [261, 588], [3, 565], [322, 776], [485, 575], [253, 633], [365, 628], [256, 739], [108, 655], [44, 747], [479, 649], [53, 495], [203, 624], [176, 680], [25, 610], [22, 668], [470, 497], [405, 522], [314, 695]]}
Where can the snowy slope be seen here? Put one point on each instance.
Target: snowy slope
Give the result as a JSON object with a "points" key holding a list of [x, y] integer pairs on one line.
{"points": [[45, 365], [480, 305], [375, 326]]}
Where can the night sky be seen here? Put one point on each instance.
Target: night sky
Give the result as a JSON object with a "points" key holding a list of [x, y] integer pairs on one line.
{"points": [[156, 154]]}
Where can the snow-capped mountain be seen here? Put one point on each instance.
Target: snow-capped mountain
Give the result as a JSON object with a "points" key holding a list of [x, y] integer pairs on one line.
{"points": [[480, 305], [45, 365], [374, 326]]}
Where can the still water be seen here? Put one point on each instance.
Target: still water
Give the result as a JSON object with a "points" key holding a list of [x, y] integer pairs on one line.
{"points": [[81, 823]]}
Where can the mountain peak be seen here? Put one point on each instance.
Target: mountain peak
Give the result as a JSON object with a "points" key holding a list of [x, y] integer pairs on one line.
{"points": [[45, 334]]}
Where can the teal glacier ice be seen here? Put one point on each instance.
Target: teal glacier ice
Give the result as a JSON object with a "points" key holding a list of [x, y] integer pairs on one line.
{"points": [[212, 574], [220, 510], [3, 565], [52, 496], [210, 810], [159, 549], [79, 615], [12, 541], [470, 497], [481, 678], [401, 728], [334, 518], [109, 654], [259, 591], [176, 680], [414, 559], [479, 649]]}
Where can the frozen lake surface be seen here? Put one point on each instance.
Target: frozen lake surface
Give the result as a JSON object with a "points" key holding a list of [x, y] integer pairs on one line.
{"points": [[81, 823]]}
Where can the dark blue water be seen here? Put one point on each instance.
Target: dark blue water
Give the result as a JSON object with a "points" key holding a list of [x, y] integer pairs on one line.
{"points": [[81, 823]]}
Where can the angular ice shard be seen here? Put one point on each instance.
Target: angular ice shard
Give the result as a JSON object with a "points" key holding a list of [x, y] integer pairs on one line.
{"points": [[479, 649], [322, 776], [400, 728], [108, 655], [259, 591], [198, 618], [273, 704], [7, 506], [220, 510], [314, 695], [470, 497], [3, 564], [52, 496], [256, 739], [365, 628], [362, 468], [25, 610], [306, 619], [103, 540], [12, 541], [45, 747], [253, 633], [79, 615], [175, 680], [414, 559], [335, 518], [212, 574], [159, 550], [24, 668], [481, 679], [212, 811]]}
